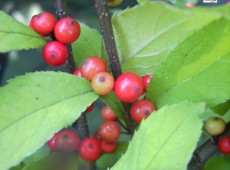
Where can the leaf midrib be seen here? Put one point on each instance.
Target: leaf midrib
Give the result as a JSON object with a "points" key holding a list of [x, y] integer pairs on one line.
{"points": [[26, 35], [168, 140], [192, 76], [36, 111], [153, 38]]}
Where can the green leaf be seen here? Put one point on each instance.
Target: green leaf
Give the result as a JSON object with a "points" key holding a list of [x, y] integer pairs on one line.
{"points": [[210, 113], [218, 162], [108, 160], [171, 131], [147, 33], [38, 155], [88, 44], [35, 106], [114, 103], [197, 70], [222, 108], [17, 36]]}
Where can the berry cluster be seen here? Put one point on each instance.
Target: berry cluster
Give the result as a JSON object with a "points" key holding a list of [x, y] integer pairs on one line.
{"points": [[128, 87], [103, 141], [65, 31], [216, 126]]}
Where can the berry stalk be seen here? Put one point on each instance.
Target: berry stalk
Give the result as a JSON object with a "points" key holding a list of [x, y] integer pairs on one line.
{"points": [[110, 45]]}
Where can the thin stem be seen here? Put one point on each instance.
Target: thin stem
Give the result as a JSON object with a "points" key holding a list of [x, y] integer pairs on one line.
{"points": [[81, 123], [206, 151], [110, 45], [123, 126]]}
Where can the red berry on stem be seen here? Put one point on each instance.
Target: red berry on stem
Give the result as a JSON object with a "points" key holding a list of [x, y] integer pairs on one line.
{"points": [[108, 147], [109, 131], [103, 83], [128, 87], [89, 149], [145, 81], [107, 114], [67, 30], [43, 23], [90, 108], [77, 72], [91, 66], [51, 143], [67, 141], [55, 53], [224, 145], [141, 109]]}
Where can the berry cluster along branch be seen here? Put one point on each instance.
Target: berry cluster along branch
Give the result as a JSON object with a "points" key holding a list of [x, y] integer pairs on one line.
{"points": [[81, 123], [110, 45], [204, 152]]}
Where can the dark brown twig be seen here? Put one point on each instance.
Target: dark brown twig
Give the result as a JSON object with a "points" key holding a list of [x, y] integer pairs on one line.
{"points": [[110, 45], [81, 123], [61, 13]]}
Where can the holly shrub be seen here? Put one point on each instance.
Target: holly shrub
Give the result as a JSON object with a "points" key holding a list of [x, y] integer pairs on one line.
{"points": [[169, 61]]}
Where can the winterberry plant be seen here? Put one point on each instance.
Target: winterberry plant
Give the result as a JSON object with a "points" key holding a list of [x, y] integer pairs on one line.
{"points": [[97, 100]]}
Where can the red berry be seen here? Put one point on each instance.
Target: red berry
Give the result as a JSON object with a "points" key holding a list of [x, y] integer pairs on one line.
{"points": [[67, 30], [128, 87], [90, 108], [108, 147], [89, 149], [141, 109], [103, 83], [43, 23], [51, 143], [107, 114], [67, 141], [109, 131], [55, 53], [91, 66], [145, 81], [77, 72], [224, 145]]}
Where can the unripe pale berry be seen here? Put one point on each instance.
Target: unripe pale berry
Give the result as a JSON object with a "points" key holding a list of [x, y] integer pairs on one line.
{"points": [[103, 83], [214, 126]]}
